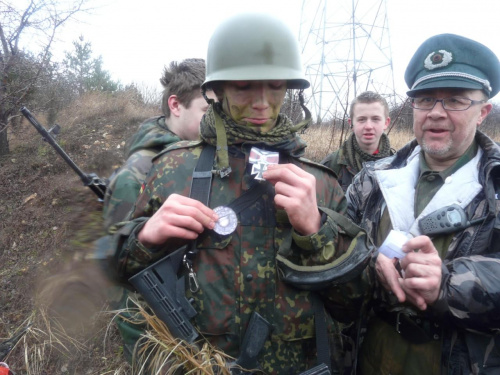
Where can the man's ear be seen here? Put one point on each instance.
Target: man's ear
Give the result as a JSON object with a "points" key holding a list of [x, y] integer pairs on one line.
{"points": [[387, 123], [349, 122], [485, 111], [174, 104]]}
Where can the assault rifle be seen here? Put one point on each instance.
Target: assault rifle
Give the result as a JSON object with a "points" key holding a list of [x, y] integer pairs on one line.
{"points": [[89, 179], [164, 293]]}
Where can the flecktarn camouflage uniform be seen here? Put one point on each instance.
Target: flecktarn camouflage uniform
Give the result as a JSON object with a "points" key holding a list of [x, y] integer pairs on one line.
{"points": [[468, 307], [238, 273], [124, 186], [152, 137]]}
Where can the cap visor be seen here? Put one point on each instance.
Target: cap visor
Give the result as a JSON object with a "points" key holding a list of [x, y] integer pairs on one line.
{"points": [[455, 83]]}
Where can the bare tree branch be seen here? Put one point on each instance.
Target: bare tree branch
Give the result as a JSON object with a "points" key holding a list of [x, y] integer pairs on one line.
{"points": [[20, 69]]}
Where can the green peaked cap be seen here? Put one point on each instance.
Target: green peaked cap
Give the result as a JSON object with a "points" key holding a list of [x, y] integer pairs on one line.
{"points": [[453, 61]]}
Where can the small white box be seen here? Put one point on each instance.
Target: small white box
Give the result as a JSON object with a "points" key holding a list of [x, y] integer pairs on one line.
{"points": [[392, 245]]}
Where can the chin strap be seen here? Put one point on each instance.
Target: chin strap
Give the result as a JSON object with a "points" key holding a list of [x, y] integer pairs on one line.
{"points": [[222, 151], [223, 168]]}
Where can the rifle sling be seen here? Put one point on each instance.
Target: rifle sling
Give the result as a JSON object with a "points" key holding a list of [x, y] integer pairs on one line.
{"points": [[201, 186], [322, 342], [202, 182], [202, 175]]}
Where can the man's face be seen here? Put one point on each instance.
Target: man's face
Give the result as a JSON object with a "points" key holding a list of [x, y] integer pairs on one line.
{"points": [[446, 135], [368, 124], [255, 104], [190, 117]]}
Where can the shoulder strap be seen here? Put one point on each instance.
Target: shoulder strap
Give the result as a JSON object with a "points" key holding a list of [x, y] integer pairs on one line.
{"points": [[347, 225], [322, 343], [202, 175], [202, 182], [200, 190], [250, 196]]}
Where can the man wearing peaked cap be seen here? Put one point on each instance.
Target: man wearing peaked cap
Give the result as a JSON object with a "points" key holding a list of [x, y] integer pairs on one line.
{"points": [[434, 307]]}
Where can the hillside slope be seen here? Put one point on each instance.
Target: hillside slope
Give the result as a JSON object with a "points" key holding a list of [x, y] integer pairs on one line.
{"points": [[48, 222]]}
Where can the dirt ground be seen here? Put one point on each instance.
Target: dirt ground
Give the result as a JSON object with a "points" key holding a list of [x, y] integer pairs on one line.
{"points": [[48, 224]]}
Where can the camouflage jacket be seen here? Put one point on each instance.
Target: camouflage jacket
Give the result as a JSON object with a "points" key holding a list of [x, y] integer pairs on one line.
{"points": [[124, 186], [237, 274], [340, 165], [468, 305]]}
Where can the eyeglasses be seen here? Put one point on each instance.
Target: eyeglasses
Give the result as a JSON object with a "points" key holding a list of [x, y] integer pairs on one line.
{"points": [[454, 103]]}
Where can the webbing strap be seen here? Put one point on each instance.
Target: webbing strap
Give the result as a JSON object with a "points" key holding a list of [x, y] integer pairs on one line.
{"points": [[322, 343], [202, 182], [200, 189], [347, 225], [202, 175], [222, 150], [246, 199]]}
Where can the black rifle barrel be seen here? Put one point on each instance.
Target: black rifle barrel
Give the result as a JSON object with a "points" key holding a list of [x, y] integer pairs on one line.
{"points": [[90, 180]]}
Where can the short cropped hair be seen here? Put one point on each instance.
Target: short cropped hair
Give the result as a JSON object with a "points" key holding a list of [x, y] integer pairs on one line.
{"points": [[369, 97], [183, 79]]}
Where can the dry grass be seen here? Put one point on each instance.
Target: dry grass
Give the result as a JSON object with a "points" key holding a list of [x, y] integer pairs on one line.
{"points": [[161, 353], [123, 107], [322, 140], [49, 348]]}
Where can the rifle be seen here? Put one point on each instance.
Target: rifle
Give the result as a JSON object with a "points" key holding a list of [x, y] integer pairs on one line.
{"points": [[89, 179], [164, 293]]}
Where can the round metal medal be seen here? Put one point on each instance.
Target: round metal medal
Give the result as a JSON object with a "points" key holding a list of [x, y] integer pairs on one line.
{"points": [[227, 220]]}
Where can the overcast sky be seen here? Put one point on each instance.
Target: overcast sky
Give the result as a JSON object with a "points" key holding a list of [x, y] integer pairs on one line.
{"points": [[137, 38]]}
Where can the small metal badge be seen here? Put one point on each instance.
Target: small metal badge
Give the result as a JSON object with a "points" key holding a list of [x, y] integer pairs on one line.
{"points": [[260, 159], [227, 220], [438, 59]]}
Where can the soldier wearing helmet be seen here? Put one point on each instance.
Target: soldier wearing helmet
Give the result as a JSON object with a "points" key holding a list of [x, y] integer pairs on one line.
{"points": [[250, 249]]}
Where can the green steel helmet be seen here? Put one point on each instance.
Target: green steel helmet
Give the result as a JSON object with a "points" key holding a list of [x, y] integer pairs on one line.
{"points": [[251, 47]]}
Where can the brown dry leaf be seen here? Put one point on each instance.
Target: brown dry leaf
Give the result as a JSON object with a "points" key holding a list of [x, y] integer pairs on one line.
{"points": [[32, 196]]}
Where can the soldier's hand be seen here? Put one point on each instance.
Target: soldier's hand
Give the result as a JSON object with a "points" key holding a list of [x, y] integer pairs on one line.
{"points": [[296, 194], [179, 217], [389, 276], [422, 272]]}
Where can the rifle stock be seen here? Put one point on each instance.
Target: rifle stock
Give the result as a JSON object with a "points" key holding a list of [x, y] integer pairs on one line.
{"points": [[164, 292], [90, 180]]}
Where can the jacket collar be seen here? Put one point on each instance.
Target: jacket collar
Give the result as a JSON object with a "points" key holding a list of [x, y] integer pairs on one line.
{"points": [[398, 188]]}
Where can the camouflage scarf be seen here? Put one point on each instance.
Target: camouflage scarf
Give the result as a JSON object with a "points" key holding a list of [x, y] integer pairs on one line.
{"points": [[356, 156], [282, 136], [218, 129]]}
